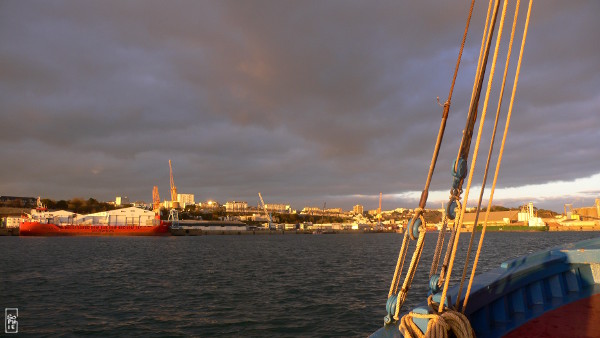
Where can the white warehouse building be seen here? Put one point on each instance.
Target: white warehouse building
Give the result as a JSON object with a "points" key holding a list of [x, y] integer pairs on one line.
{"points": [[125, 216]]}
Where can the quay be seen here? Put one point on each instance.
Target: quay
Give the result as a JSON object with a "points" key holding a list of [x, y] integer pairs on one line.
{"points": [[9, 231], [202, 232]]}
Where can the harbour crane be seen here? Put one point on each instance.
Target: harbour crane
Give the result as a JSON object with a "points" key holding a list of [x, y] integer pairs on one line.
{"points": [[174, 202], [269, 218], [156, 202]]}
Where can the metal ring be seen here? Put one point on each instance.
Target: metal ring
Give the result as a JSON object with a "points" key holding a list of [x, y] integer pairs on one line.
{"points": [[417, 223]]}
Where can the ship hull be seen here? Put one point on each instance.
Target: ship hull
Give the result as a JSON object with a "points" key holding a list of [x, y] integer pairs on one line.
{"points": [[49, 229], [532, 296]]}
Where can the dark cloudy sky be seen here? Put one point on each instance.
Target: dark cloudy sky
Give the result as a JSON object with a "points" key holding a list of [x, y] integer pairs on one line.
{"points": [[305, 101]]}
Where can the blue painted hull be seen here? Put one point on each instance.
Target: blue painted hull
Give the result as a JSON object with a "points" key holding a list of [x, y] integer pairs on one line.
{"points": [[525, 288]]}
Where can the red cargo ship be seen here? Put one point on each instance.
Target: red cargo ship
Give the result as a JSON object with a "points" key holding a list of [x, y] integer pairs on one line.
{"points": [[121, 222], [48, 229]]}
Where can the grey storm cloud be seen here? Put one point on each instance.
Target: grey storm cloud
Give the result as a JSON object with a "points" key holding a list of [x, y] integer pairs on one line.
{"points": [[305, 101]]}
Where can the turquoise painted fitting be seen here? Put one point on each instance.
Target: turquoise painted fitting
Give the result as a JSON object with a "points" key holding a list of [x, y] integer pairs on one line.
{"points": [[387, 320], [459, 173], [450, 212], [455, 182], [433, 284], [461, 168], [390, 307], [414, 229]]}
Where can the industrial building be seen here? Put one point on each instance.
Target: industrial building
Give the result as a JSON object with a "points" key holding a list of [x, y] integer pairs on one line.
{"points": [[122, 201], [208, 205], [235, 206], [494, 218], [312, 210], [527, 216], [10, 222], [280, 208], [589, 212], [185, 199]]}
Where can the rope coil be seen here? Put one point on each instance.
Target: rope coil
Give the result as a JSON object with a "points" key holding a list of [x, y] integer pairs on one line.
{"points": [[438, 325]]}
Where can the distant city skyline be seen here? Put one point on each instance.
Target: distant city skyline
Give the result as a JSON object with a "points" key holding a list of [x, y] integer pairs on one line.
{"points": [[307, 102]]}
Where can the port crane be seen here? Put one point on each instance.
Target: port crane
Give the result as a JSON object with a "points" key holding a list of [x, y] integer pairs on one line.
{"points": [[156, 202], [174, 202], [269, 218]]}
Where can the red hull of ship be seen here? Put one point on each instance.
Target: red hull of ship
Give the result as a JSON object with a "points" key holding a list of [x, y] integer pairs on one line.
{"points": [[49, 229], [577, 319]]}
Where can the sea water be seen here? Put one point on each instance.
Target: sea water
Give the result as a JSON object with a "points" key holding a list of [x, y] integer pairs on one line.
{"points": [[221, 286]]}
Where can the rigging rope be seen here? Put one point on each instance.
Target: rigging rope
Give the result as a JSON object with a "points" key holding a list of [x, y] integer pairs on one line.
{"points": [[438, 246], [508, 117], [424, 194], [410, 274], [450, 245], [454, 192], [475, 151], [399, 265], [481, 48], [441, 319], [487, 164], [461, 165]]}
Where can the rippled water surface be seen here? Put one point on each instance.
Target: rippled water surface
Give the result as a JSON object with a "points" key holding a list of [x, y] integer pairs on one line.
{"points": [[209, 286]]}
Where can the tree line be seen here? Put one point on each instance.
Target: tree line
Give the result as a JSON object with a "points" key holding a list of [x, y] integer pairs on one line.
{"points": [[79, 205]]}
